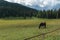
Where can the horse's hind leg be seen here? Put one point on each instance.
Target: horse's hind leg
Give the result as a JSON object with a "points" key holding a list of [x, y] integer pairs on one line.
{"points": [[45, 26]]}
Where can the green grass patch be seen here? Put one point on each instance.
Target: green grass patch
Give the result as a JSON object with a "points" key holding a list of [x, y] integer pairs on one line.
{"points": [[21, 29]]}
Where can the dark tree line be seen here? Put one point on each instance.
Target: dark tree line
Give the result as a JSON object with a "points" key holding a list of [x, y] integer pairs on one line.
{"points": [[6, 12], [50, 14]]}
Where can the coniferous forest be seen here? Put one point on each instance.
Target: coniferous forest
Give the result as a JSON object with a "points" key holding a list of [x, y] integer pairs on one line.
{"points": [[50, 14]]}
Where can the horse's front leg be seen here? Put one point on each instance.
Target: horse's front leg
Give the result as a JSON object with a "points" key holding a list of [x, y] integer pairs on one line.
{"points": [[39, 26]]}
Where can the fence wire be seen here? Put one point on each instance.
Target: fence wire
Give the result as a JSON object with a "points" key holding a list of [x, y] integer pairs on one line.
{"points": [[41, 36]]}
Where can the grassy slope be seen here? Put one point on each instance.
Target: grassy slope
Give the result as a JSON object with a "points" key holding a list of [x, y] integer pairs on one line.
{"points": [[21, 29]]}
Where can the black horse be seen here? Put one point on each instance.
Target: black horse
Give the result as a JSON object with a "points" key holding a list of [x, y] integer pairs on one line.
{"points": [[42, 24]]}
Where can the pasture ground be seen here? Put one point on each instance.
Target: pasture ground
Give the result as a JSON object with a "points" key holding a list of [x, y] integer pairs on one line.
{"points": [[25, 28]]}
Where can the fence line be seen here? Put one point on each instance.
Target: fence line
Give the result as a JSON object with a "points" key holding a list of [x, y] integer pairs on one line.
{"points": [[42, 34]]}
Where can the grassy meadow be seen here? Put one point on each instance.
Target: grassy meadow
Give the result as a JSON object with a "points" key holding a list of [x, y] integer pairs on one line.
{"points": [[19, 29]]}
